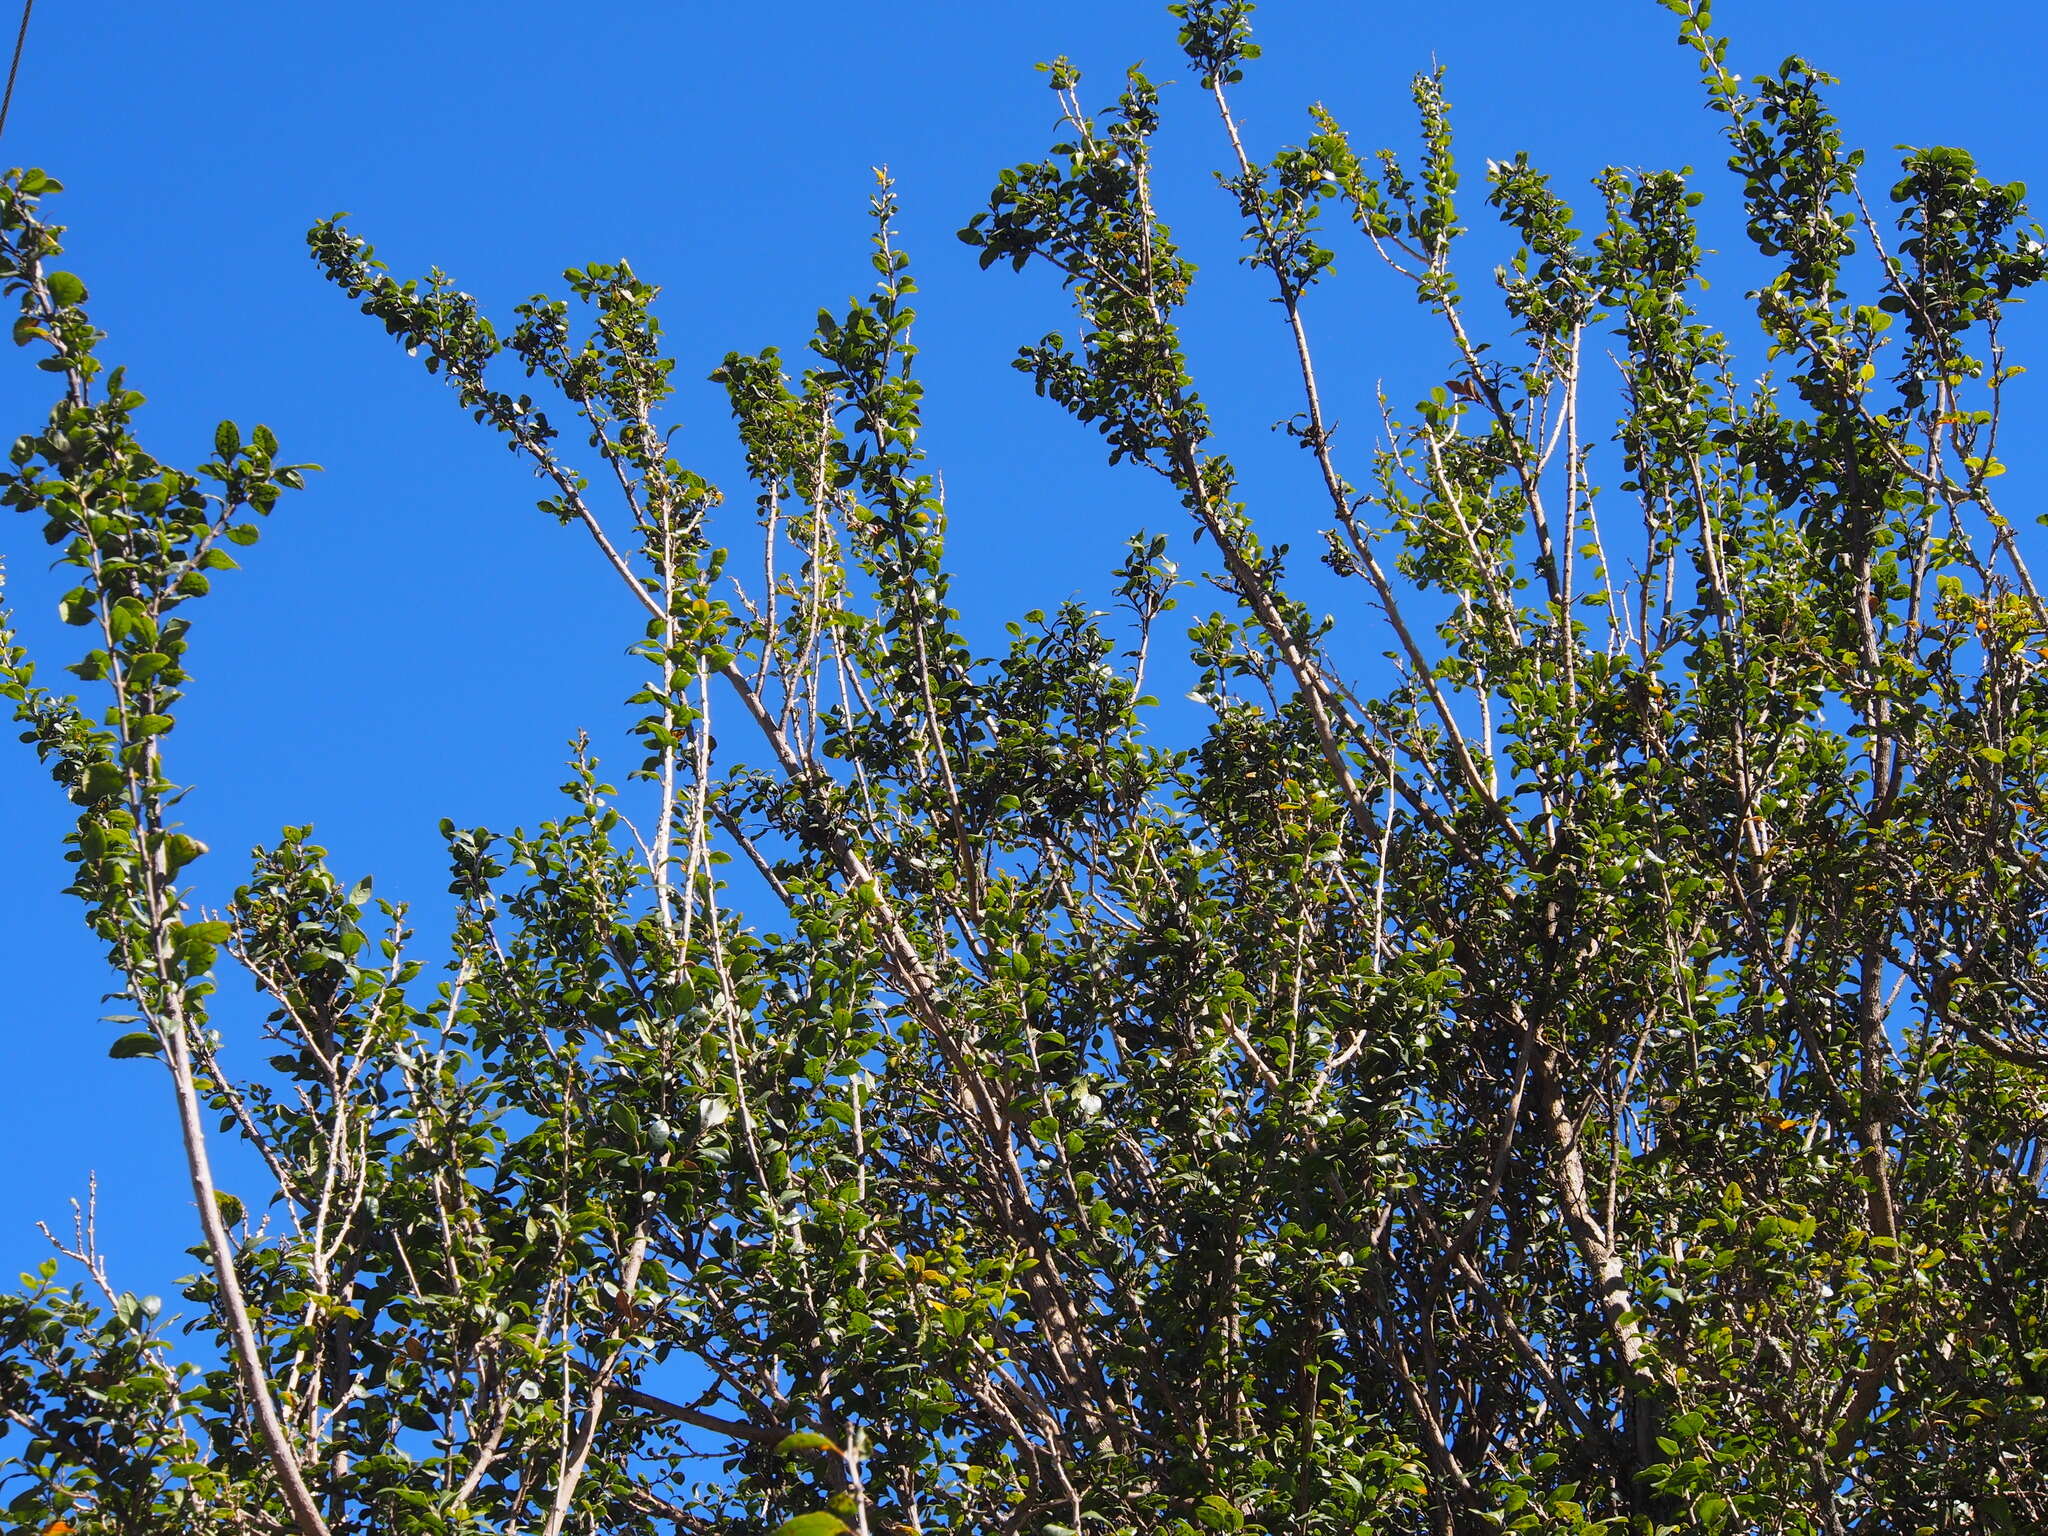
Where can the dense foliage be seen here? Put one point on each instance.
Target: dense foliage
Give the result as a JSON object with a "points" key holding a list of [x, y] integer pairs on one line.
{"points": [[1590, 1077]]}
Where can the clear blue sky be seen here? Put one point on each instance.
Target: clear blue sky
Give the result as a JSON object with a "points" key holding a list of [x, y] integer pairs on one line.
{"points": [[412, 640]]}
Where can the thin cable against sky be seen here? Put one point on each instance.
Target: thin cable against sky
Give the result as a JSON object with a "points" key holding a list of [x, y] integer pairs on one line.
{"points": [[14, 68]]}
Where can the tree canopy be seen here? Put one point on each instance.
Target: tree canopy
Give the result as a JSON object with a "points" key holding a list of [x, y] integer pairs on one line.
{"points": [[1560, 1047]]}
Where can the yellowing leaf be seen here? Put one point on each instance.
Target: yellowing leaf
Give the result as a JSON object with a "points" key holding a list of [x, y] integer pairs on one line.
{"points": [[803, 1441], [820, 1523]]}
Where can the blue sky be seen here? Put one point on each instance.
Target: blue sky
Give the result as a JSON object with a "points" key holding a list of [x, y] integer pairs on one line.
{"points": [[412, 640]]}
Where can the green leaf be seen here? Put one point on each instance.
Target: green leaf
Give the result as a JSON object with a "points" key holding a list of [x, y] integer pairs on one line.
{"points": [[227, 440], [103, 781], [804, 1441], [66, 288], [139, 1043], [127, 616]]}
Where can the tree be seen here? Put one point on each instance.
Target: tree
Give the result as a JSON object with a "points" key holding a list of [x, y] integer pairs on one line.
{"points": [[1594, 1082]]}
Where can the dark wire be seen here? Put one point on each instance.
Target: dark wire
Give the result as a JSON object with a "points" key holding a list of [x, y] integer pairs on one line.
{"points": [[14, 69]]}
